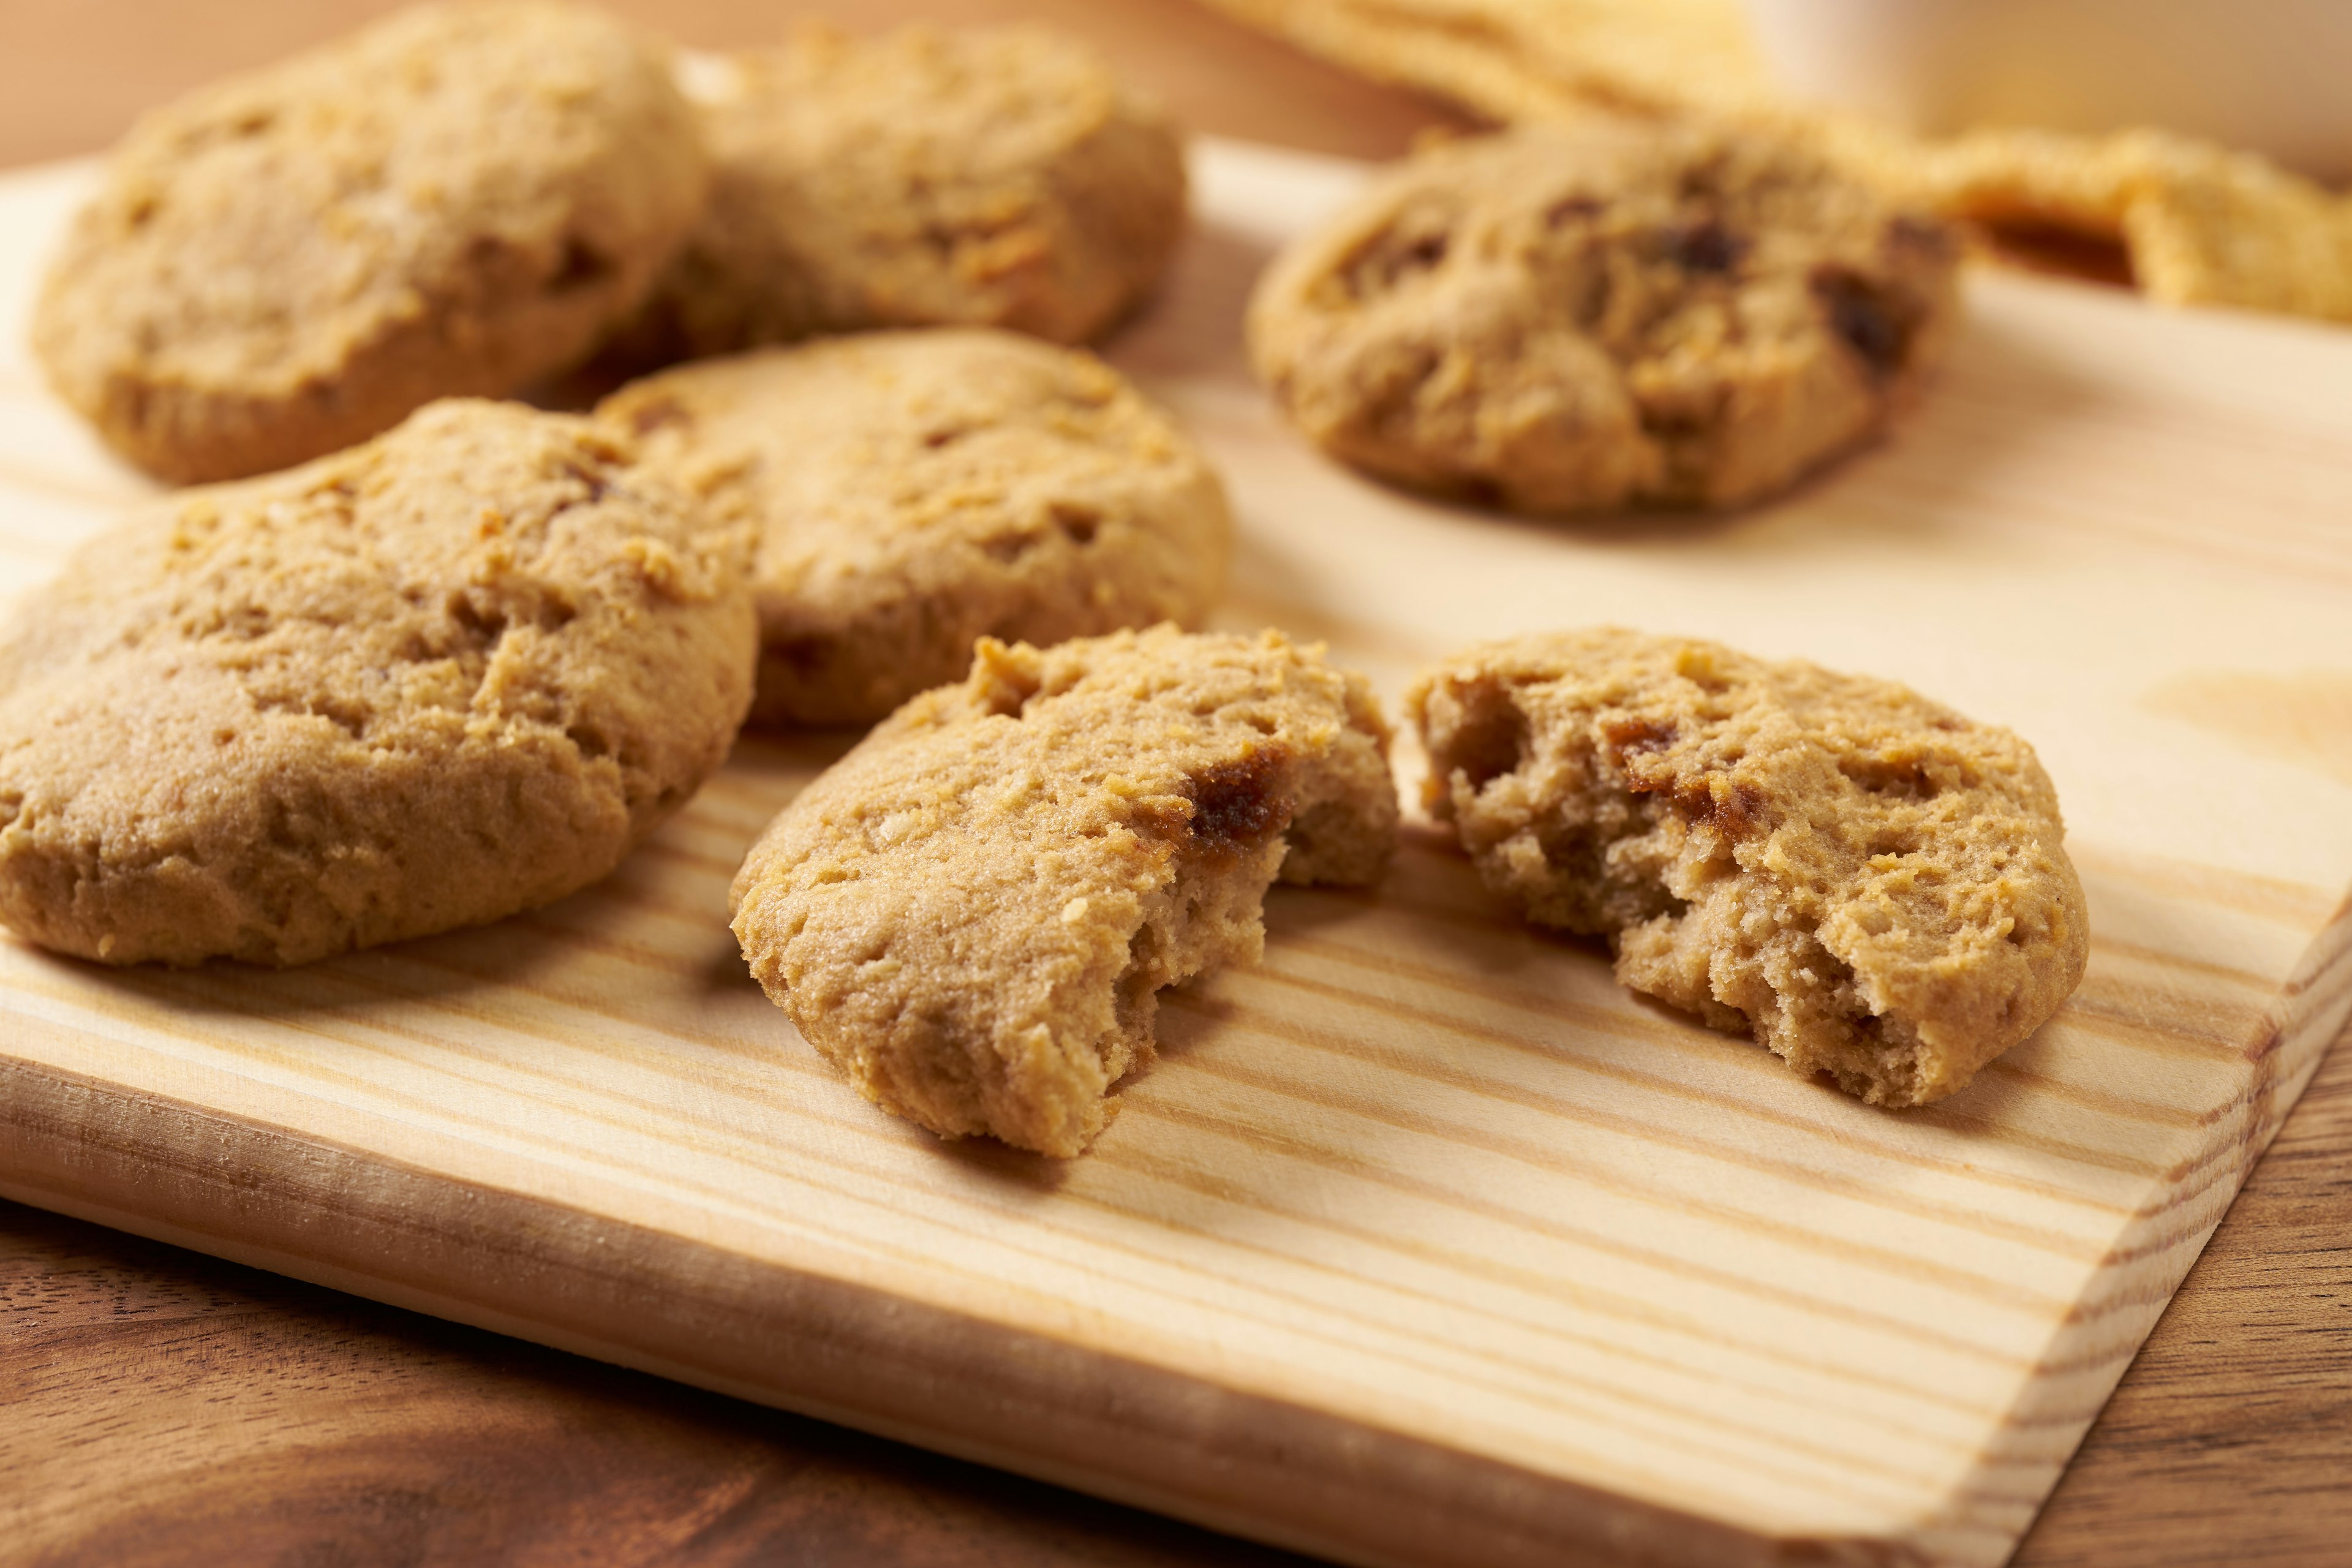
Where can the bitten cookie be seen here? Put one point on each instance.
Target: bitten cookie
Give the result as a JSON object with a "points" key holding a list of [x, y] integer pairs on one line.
{"points": [[1874, 886], [915, 491], [924, 177], [426, 682], [458, 200], [1579, 317], [971, 915]]}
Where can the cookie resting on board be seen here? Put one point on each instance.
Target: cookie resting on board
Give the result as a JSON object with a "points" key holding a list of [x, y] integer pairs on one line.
{"points": [[972, 913], [1874, 886]]}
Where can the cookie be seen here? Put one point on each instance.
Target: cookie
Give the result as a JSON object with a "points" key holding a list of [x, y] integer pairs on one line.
{"points": [[458, 200], [915, 491], [1561, 319], [972, 913], [926, 177], [426, 682], [1871, 885]]}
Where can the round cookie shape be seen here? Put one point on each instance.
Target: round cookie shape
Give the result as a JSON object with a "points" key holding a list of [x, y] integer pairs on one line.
{"points": [[924, 177], [458, 200], [915, 491], [1596, 315], [432, 681], [971, 915], [1871, 885]]}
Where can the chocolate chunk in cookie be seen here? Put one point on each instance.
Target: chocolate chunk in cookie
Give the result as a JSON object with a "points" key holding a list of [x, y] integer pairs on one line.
{"points": [[915, 491], [1572, 318], [1874, 886], [972, 913], [426, 682], [924, 177], [458, 200]]}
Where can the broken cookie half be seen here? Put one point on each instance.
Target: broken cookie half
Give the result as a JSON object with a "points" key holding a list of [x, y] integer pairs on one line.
{"points": [[1873, 885], [971, 915]]}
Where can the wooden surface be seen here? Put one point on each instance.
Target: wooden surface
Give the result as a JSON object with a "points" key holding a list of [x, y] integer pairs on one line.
{"points": [[217, 1414], [2183, 1460], [1426, 1242]]}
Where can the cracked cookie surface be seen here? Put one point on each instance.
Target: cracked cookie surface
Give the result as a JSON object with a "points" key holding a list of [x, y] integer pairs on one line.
{"points": [[455, 201], [1597, 315], [926, 177], [1874, 886], [972, 913], [454, 673], [915, 491]]}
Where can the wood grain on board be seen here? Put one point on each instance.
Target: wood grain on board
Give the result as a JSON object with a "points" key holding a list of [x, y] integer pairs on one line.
{"points": [[1425, 1242], [2230, 1438], [189, 1410]]}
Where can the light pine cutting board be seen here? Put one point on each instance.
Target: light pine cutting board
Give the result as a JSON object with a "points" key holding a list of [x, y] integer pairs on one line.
{"points": [[1423, 1243]]}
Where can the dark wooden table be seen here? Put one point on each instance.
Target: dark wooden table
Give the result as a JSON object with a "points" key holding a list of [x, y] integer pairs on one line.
{"points": [[157, 1407]]}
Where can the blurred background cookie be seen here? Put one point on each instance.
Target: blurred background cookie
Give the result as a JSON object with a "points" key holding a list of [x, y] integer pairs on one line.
{"points": [[2179, 148], [451, 674], [916, 490], [928, 176], [1569, 317], [458, 200]]}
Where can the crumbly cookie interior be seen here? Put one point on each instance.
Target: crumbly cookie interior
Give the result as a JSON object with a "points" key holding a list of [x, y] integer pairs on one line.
{"points": [[1272, 815], [974, 913], [1868, 883]]}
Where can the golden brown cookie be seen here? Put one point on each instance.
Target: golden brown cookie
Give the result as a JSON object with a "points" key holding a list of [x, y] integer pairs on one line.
{"points": [[915, 491], [971, 915], [926, 177], [1563, 319], [458, 200], [1874, 886], [426, 682]]}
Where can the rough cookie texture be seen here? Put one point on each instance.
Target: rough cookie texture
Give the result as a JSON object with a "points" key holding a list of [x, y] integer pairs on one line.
{"points": [[1561, 319], [458, 200], [971, 915], [924, 177], [1873, 885], [915, 491], [429, 681]]}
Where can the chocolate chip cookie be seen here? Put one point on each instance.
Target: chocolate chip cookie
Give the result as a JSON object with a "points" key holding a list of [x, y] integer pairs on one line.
{"points": [[924, 177], [1600, 314], [1874, 886], [972, 913], [429, 681], [915, 491], [458, 200]]}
